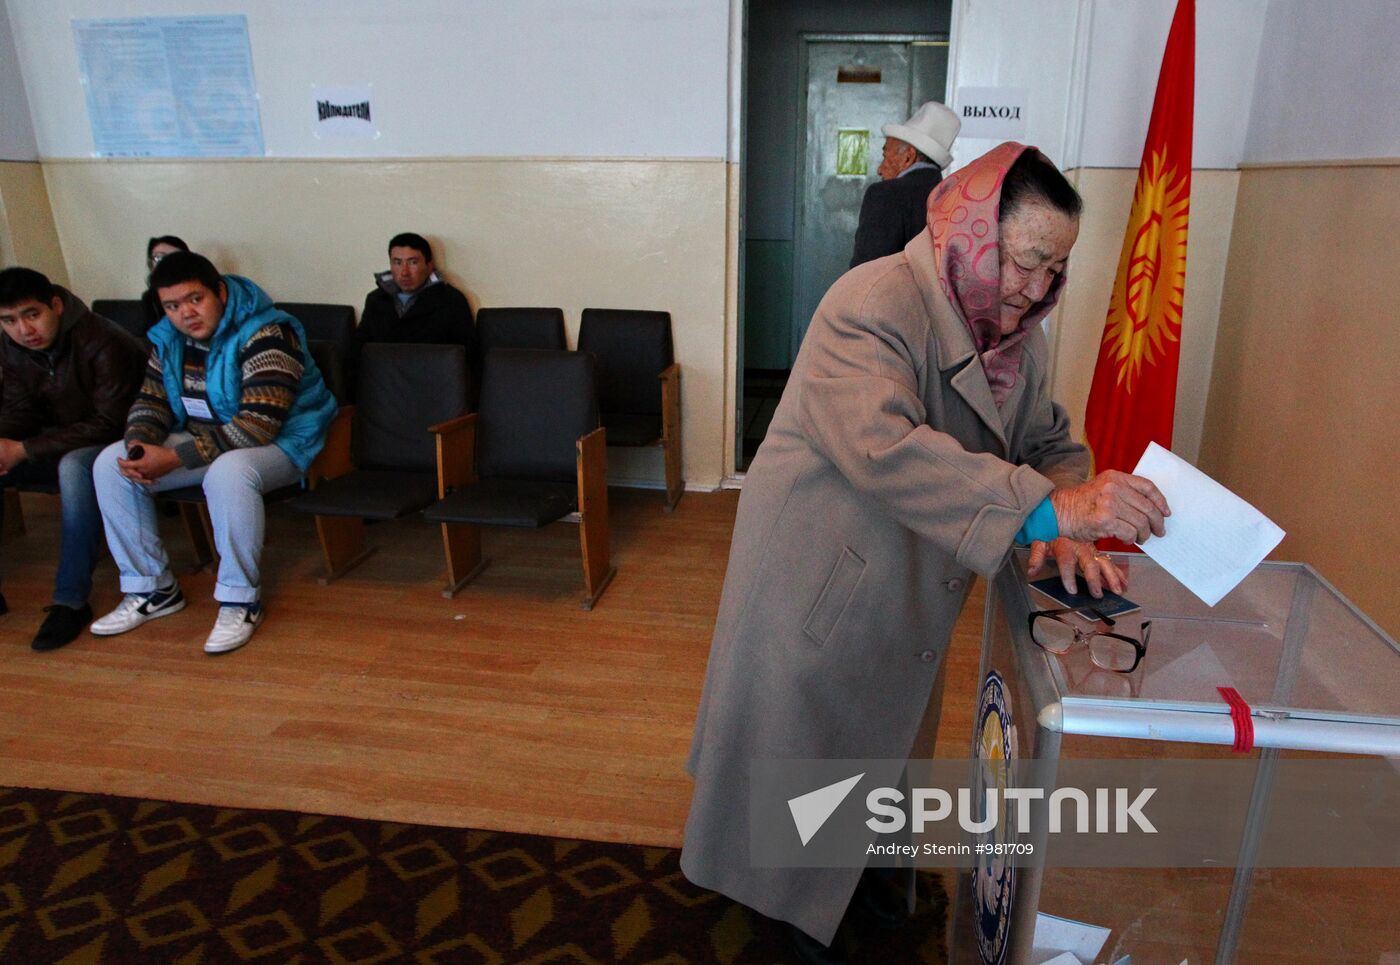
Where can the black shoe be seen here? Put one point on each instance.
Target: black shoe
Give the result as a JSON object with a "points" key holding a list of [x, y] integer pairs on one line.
{"points": [[62, 626], [880, 900], [809, 951]]}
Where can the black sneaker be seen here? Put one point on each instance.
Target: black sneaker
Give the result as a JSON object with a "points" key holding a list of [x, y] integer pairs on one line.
{"points": [[62, 626], [136, 608]]}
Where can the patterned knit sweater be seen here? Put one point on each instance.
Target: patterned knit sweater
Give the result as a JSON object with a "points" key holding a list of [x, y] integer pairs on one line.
{"points": [[271, 366]]}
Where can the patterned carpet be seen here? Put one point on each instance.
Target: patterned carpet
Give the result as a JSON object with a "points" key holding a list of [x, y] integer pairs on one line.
{"points": [[88, 878]]}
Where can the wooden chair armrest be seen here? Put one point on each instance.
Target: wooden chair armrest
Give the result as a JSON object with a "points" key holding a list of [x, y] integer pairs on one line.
{"points": [[336, 457], [597, 438], [671, 402], [456, 452], [453, 425], [593, 469]]}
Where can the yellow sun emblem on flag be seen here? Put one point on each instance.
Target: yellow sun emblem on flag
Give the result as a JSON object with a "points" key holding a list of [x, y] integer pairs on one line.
{"points": [[1144, 312]]}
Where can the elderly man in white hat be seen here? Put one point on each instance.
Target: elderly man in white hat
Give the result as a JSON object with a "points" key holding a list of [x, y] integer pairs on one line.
{"points": [[916, 152]]}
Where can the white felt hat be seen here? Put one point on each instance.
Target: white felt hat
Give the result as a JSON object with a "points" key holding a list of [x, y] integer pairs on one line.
{"points": [[931, 130]]}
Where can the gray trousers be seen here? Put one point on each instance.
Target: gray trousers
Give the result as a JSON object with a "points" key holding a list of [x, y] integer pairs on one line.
{"points": [[233, 483]]}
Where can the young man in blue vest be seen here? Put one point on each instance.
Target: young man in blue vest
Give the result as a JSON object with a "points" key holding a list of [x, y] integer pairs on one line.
{"points": [[231, 401]]}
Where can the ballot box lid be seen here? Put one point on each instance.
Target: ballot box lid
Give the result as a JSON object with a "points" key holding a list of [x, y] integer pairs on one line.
{"points": [[1285, 639]]}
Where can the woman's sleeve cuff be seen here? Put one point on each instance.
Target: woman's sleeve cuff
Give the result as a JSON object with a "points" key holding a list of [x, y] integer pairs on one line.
{"points": [[1040, 525]]}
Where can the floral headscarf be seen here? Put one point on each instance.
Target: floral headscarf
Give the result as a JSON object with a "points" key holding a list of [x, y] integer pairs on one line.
{"points": [[963, 218]]}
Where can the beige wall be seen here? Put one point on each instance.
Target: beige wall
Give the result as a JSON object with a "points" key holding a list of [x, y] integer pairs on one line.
{"points": [[1077, 326], [27, 233], [1304, 417], [572, 233]]}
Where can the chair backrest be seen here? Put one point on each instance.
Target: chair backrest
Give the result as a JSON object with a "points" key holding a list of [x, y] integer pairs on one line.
{"points": [[126, 312], [332, 365], [324, 323], [632, 348], [535, 404], [333, 324], [404, 389], [520, 328]]}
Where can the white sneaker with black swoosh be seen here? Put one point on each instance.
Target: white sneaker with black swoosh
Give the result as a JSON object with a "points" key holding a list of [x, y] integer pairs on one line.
{"points": [[136, 608], [233, 628]]}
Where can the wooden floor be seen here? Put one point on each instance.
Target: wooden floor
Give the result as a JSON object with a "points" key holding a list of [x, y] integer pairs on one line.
{"points": [[506, 708]]}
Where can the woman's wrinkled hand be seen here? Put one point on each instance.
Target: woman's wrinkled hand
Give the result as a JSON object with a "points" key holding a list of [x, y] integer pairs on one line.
{"points": [[1125, 507], [1100, 572]]}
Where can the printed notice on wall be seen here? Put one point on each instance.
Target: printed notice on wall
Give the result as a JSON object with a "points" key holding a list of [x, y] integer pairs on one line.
{"points": [[995, 112], [343, 112], [169, 86]]}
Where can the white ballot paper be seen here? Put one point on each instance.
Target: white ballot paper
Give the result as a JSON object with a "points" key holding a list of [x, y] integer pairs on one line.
{"points": [[1214, 538], [1060, 941]]}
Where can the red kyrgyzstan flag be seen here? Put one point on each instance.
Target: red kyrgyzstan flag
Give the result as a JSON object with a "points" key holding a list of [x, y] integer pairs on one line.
{"points": [[1134, 390]]}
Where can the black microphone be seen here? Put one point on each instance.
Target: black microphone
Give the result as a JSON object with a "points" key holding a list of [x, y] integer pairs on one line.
{"points": [[136, 452]]}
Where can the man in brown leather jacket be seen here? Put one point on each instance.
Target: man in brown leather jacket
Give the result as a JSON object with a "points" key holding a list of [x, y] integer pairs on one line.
{"points": [[69, 376]]}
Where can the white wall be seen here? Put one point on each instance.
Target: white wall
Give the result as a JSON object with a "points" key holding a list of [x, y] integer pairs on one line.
{"points": [[16, 129], [1090, 70], [1125, 56], [1012, 43], [452, 78], [1329, 83]]}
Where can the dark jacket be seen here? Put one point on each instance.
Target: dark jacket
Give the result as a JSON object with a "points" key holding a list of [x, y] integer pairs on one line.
{"points": [[892, 213], [437, 314], [75, 394]]}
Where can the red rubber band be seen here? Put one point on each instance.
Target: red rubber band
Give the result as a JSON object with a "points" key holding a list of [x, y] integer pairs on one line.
{"points": [[1243, 718]]}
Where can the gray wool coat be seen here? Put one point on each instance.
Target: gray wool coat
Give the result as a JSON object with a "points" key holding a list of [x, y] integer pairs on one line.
{"points": [[887, 479]]}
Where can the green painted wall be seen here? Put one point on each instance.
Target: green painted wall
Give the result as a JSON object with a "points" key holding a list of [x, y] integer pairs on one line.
{"points": [[767, 303]]}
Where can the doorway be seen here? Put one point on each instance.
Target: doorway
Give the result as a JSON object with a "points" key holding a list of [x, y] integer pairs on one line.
{"points": [[811, 148], [852, 86]]}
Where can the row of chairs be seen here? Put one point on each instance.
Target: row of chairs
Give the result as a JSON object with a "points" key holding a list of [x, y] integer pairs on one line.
{"points": [[638, 377], [530, 455], [409, 443]]}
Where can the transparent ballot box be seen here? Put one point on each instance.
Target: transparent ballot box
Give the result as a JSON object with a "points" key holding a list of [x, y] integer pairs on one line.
{"points": [[1265, 883]]}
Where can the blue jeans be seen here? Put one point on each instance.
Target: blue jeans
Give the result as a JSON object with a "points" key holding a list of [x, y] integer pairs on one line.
{"points": [[77, 555], [233, 483]]}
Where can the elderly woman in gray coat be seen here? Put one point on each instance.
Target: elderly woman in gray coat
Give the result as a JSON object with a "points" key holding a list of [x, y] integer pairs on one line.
{"points": [[916, 441]]}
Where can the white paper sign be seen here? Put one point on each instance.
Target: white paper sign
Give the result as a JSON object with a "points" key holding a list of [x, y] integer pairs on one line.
{"points": [[169, 86], [994, 112], [346, 112], [1214, 538]]}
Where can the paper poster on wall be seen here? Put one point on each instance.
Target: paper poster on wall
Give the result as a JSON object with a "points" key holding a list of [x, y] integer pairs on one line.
{"points": [[852, 152], [169, 86], [343, 112], [995, 112]]}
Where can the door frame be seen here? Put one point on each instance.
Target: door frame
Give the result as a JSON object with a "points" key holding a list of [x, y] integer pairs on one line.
{"points": [[736, 230], [804, 41]]}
